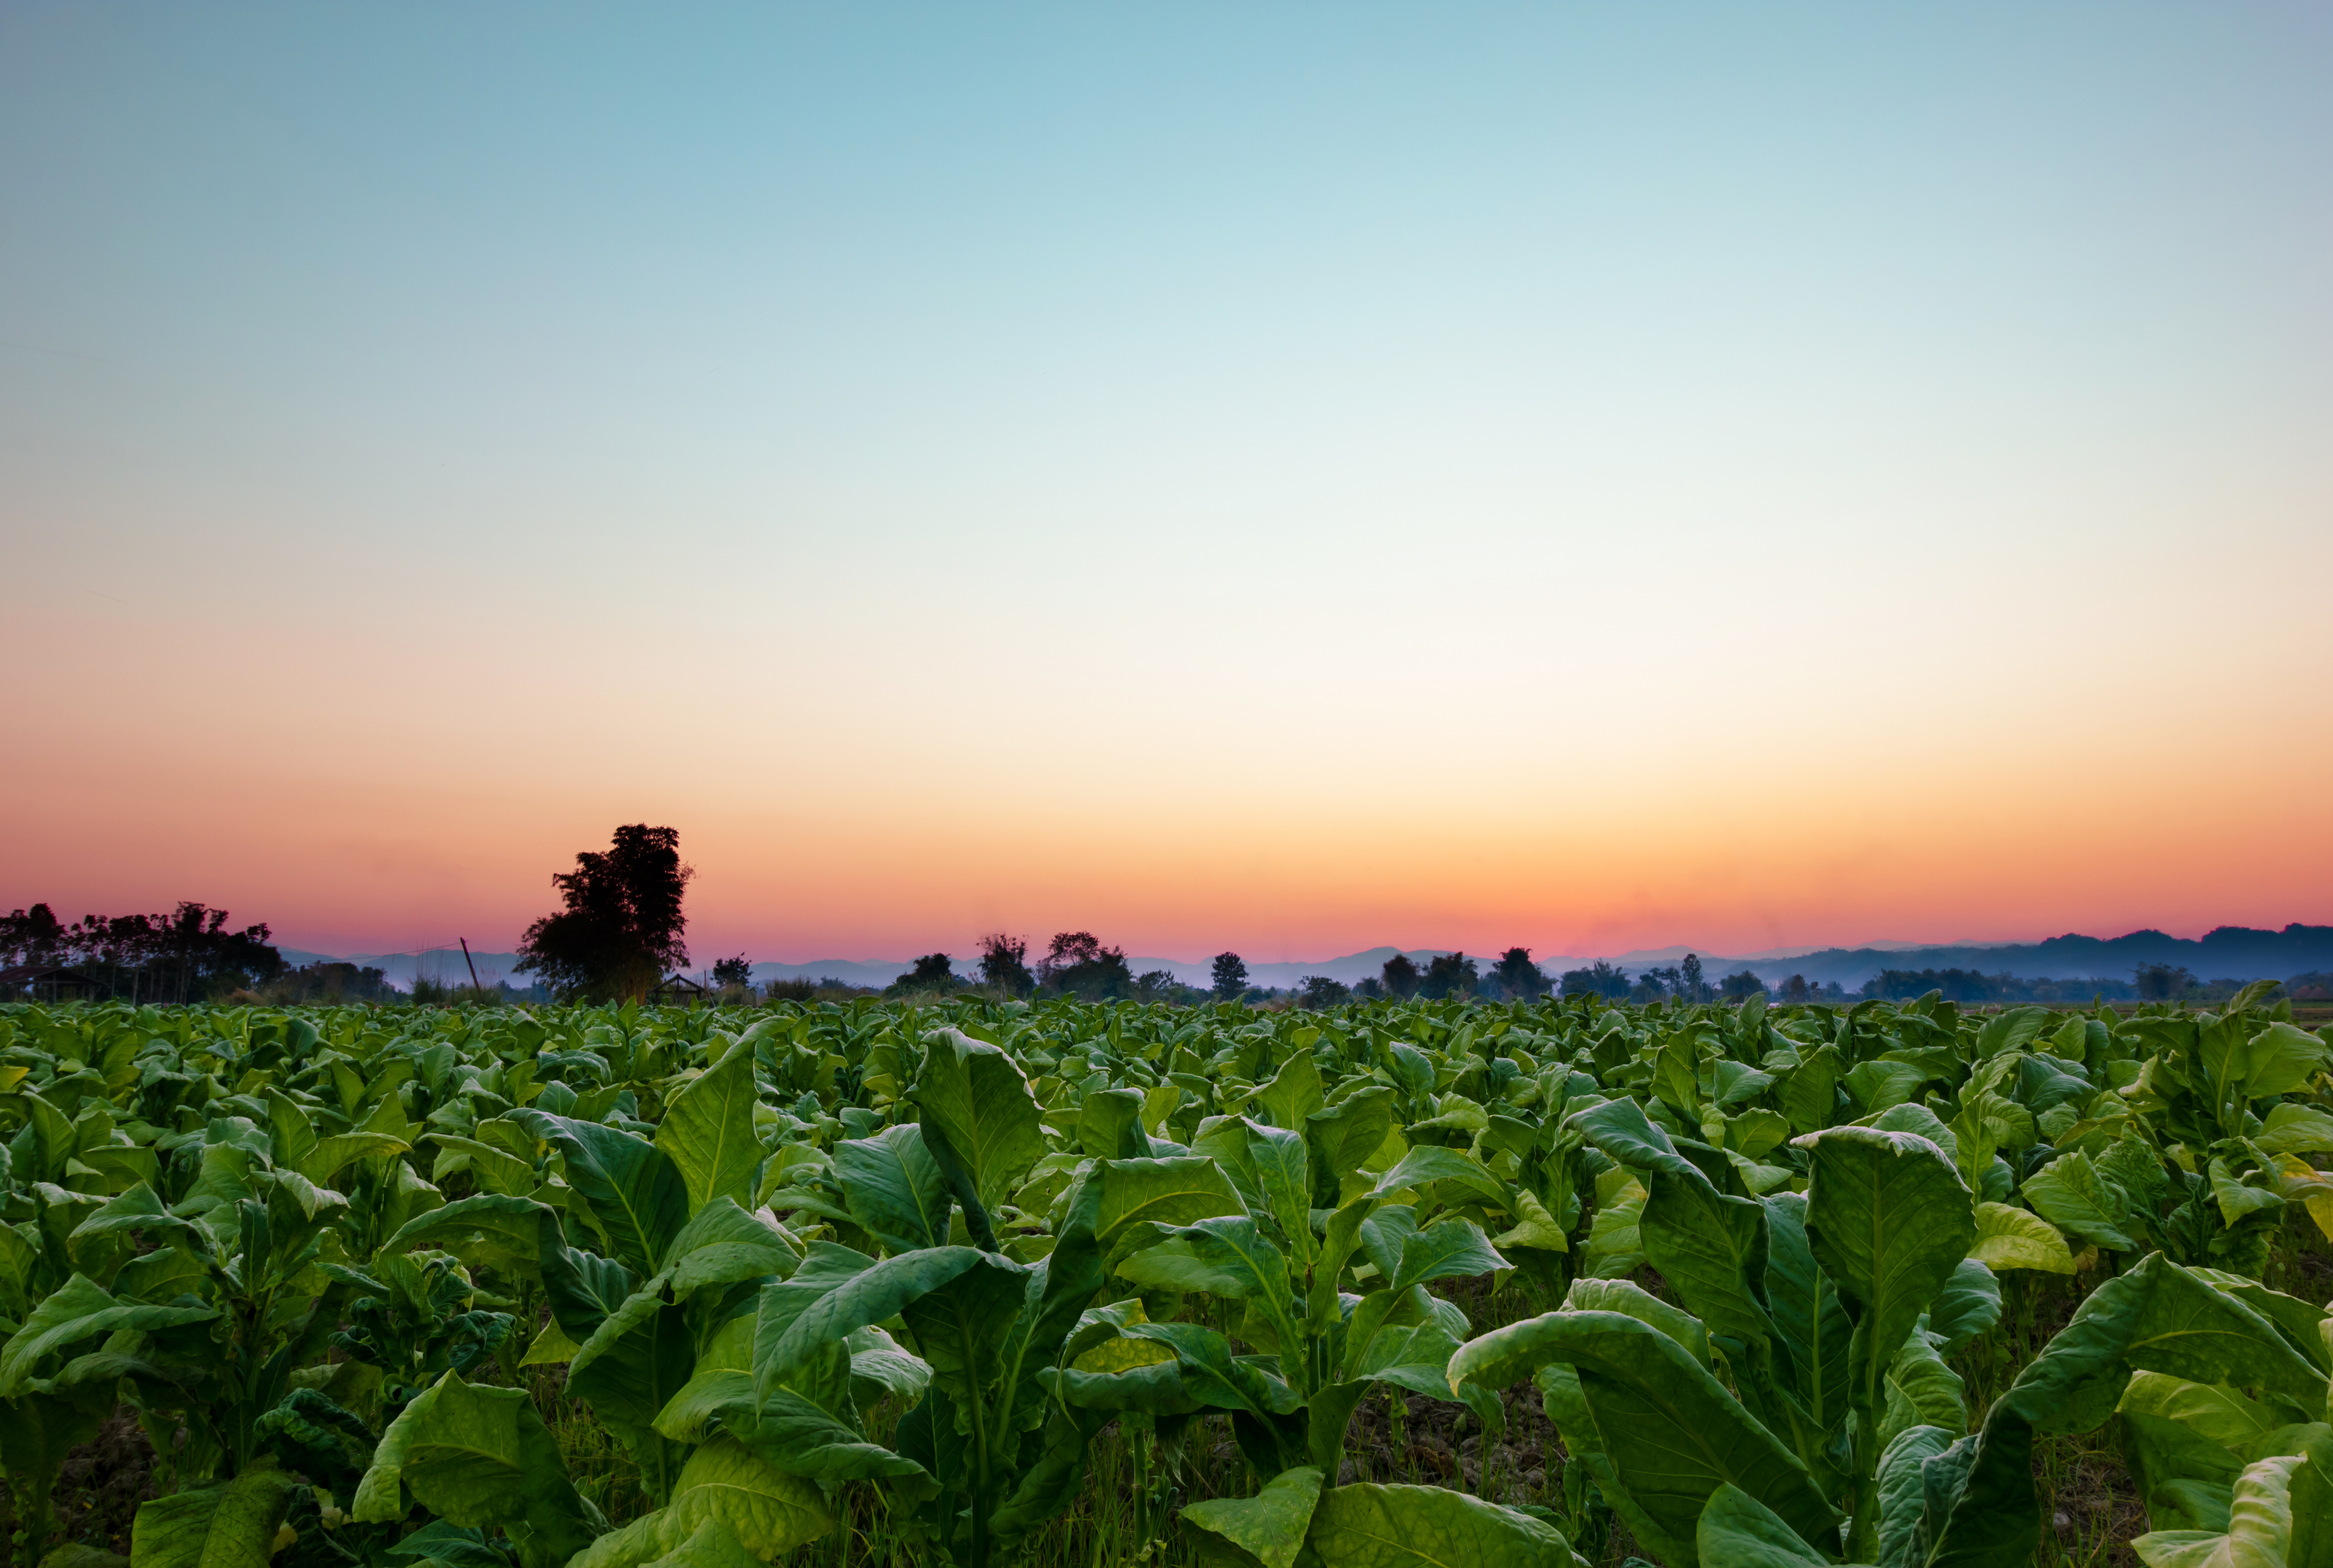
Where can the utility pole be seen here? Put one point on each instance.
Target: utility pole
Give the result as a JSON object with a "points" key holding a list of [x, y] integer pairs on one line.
{"points": [[473, 963]]}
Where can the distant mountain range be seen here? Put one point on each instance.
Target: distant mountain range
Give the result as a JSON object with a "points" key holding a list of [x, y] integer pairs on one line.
{"points": [[2229, 953]]}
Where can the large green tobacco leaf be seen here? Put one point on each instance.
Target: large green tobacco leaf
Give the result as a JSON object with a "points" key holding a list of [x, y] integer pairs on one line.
{"points": [[487, 1230], [632, 1187], [707, 1132], [1968, 1305], [1283, 1177], [479, 1457], [803, 1439], [1344, 1136], [828, 1299], [2311, 1493], [1710, 1246], [962, 1324], [1809, 1316], [1454, 1248], [1979, 1505], [1672, 1432], [765, 1511], [981, 1121], [1227, 1257], [1177, 1190], [1267, 1529], [231, 1526], [2069, 1194], [76, 1311], [894, 1188], [724, 1245], [2260, 1525], [1738, 1531], [1294, 1093], [1426, 1165], [1379, 1526]]}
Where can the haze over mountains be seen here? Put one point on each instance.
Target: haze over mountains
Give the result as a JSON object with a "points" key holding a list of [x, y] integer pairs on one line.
{"points": [[2230, 952]]}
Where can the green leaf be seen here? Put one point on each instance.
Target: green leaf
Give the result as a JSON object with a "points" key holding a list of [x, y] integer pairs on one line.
{"points": [[1808, 1315], [1968, 1305], [981, 1121], [1888, 1220], [231, 1525], [1370, 1526], [765, 1511], [330, 1154], [1284, 1176], [1211, 1374], [1454, 1248], [1169, 1192], [2312, 1506], [1294, 1093], [1632, 1300], [487, 1230], [801, 1438], [961, 1325], [1428, 1164], [76, 1311], [2069, 1194], [1902, 1494], [1673, 1432], [2218, 1414], [707, 1132], [1922, 1390], [1226, 1256], [1345, 1135], [631, 1186], [2296, 1129], [1879, 1084], [2260, 1525], [1110, 1125], [480, 1457], [2010, 1237], [828, 1300], [1738, 1531], [1268, 1528]]}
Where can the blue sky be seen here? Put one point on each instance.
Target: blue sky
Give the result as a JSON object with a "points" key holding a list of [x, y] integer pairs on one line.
{"points": [[1648, 474]]}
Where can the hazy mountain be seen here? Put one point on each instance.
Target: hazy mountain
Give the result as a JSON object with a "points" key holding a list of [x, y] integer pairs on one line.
{"points": [[2231, 952]]}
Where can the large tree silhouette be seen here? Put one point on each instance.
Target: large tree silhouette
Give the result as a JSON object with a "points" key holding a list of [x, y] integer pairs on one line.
{"points": [[621, 930]]}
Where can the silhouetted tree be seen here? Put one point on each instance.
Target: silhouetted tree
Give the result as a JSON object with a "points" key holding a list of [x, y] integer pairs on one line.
{"points": [[2162, 982], [1690, 985], [621, 931], [1230, 977], [1368, 988], [1657, 983], [1400, 977], [1156, 986], [1320, 991], [1602, 979], [1004, 964], [1795, 991], [1518, 976], [1078, 965], [1451, 975], [933, 972], [1742, 987], [33, 935], [736, 971]]}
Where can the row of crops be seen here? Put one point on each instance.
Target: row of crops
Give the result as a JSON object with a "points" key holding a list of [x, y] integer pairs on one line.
{"points": [[893, 1272]]}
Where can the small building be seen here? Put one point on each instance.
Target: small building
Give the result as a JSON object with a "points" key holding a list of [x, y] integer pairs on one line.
{"points": [[677, 991], [45, 982]]}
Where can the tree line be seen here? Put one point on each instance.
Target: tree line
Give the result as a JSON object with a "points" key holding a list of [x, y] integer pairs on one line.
{"points": [[190, 955]]}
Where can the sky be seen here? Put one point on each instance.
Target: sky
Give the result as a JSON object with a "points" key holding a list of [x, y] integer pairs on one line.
{"points": [[1284, 478]]}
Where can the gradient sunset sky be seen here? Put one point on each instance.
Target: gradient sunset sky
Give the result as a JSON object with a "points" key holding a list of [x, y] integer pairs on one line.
{"points": [[1286, 477]]}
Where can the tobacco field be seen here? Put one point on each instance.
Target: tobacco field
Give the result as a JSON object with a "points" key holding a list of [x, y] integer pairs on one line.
{"points": [[985, 1283]]}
